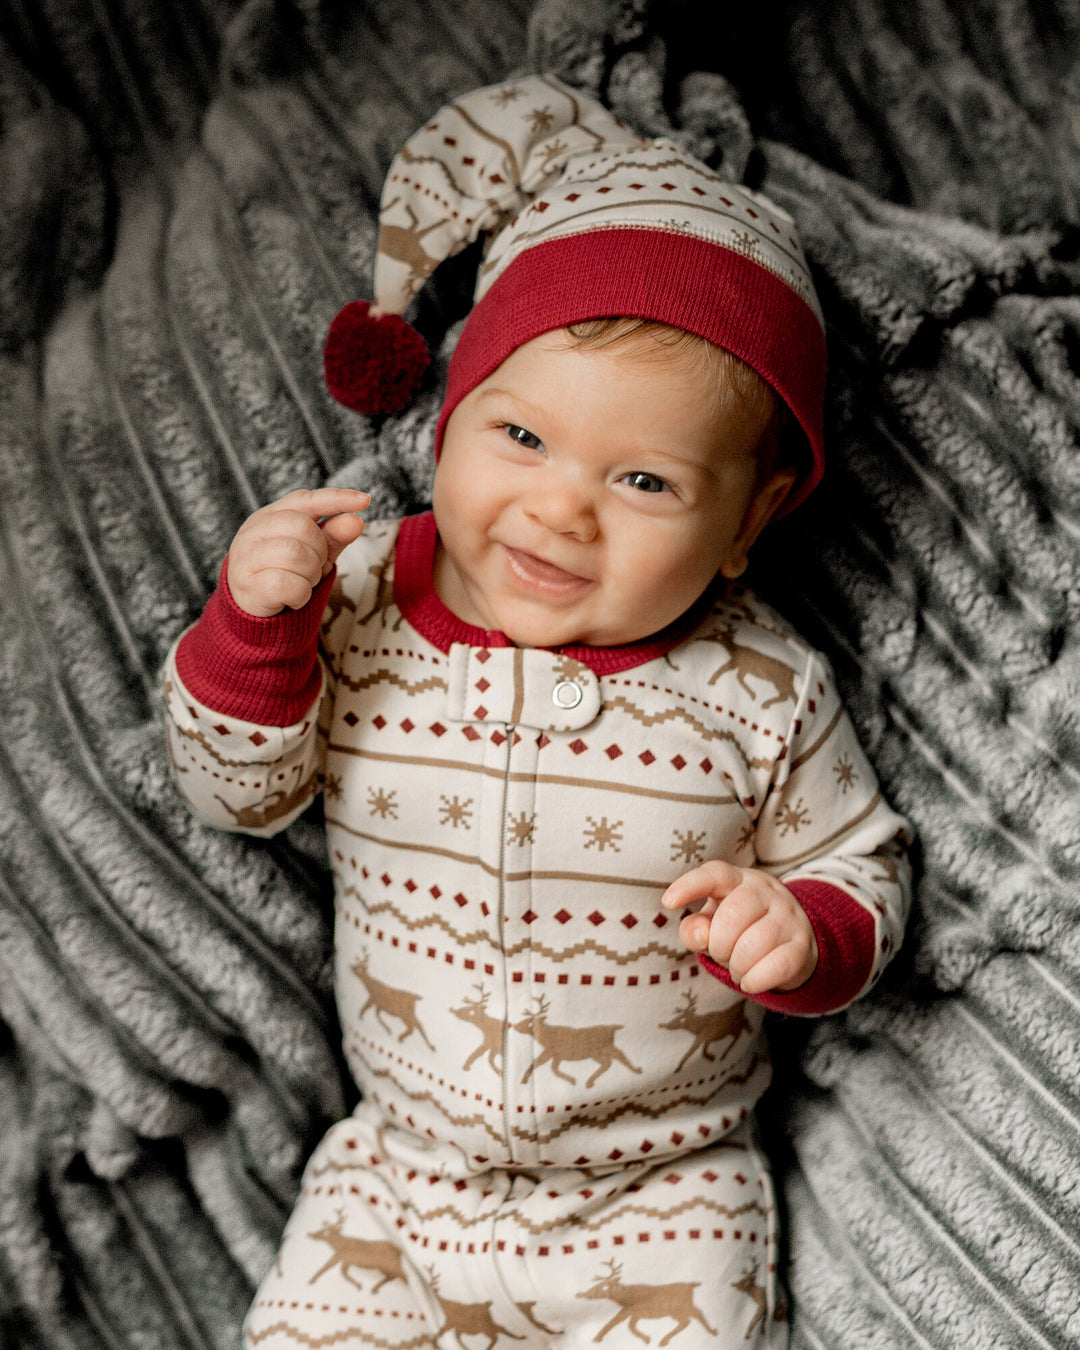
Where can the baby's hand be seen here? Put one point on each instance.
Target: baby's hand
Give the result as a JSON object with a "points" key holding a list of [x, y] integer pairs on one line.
{"points": [[750, 923], [282, 552]]}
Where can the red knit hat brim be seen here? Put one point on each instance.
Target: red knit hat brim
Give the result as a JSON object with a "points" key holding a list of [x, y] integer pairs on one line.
{"points": [[653, 273]]}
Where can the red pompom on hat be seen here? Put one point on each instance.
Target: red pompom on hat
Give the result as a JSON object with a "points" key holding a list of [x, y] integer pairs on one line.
{"points": [[373, 362], [583, 219]]}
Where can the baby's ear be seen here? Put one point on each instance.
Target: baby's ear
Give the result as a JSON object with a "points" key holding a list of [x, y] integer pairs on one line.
{"points": [[766, 501]]}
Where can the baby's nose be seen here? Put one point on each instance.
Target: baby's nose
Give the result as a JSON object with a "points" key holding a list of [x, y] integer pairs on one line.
{"points": [[564, 507]]}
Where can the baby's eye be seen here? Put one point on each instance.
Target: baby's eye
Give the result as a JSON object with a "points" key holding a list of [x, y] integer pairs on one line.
{"points": [[645, 482], [523, 437]]}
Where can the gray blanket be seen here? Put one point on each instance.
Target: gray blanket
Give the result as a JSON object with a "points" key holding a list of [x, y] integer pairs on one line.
{"points": [[188, 194]]}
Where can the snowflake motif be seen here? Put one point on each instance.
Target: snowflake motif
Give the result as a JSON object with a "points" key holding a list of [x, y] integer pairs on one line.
{"points": [[746, 240], [521, 829], [509, 94], [382, 803], [454, 812], [688, 846], [566, 668], [846, 777], [542, 120], [746, 836], [792, 817], [331, 787], [603, 835]]}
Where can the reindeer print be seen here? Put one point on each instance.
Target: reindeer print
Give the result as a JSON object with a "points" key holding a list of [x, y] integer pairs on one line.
{"points": [[707, 1028], [402, 243], [747, 1283], [748, 661], [348, 1252], [645, 1302], [474, 1010], [274, 805], [390, 1002], [468, 1319], [570, 1043]]}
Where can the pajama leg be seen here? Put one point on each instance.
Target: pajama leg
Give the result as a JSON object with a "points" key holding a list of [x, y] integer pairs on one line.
{"points": [[341, 1278]]}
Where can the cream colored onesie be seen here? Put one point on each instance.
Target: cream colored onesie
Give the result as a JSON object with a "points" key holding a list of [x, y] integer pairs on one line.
{"points": [[556, 1144]]}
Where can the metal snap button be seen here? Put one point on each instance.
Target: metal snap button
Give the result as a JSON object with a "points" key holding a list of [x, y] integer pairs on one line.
{"points": [[567, 694]]}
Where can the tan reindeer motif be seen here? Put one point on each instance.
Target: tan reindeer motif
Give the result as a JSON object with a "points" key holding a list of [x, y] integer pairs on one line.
{"points": [[644, 1303], [468, 1319], [707, 1028], [570, 1043], [474, 1010], [748, 661], [747, 1284], [402, 244], [390, 1002], [359, 1252], [273, 806]]}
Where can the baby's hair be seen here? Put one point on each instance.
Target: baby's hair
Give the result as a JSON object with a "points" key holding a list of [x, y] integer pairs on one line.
{"points": [[731, 377]]}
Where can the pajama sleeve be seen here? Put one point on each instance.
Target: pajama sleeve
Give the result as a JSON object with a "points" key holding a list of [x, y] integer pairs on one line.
{"points": [[246, 707], [827, 833]]}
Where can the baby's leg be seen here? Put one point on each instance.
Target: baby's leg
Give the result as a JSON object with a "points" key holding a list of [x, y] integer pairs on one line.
{"points": [[678, 1253], [341, 1277]]}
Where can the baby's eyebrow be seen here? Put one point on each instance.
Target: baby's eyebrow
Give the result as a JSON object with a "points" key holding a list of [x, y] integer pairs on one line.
{"points": [[494, 392]]}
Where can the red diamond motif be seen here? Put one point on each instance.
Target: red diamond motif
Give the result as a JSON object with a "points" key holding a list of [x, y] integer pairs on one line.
{"points": [[257, 738], [410, 885], [564, 916], [460, 900], [670, 186], [646, 1146], [676, 1138], [628, 921], [437, 728], [497, 738], [706, 765], [660, 920], [480, 713], [572, 196], [647, 757], [483, 685], [407, 726], [709, 1176], [636, 186], [483, 654], [679, 762], [613, 752], [615, 1154], [543, 740], [596, 918], [470, 733], [351, 718], [377, 722], [222, 729], [434, 892], [529, 916], [578, 746], [385, 879]]}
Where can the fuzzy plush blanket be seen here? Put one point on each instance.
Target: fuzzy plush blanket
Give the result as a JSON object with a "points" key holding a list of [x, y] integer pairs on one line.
{"points": [[188, 195]]}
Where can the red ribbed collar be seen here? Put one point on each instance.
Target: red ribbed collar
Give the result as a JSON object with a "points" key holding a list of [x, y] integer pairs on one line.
{"points": [[414, 594]]}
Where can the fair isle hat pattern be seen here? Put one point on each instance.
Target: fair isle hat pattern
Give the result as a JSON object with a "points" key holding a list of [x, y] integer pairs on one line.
{"points": [[585, 219]]}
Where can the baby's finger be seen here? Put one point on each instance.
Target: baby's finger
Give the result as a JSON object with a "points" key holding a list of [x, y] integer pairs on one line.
{"points": [[694, 928], [339, 532], [714, 879], [320, 502], [775, 970], [739, 911]]}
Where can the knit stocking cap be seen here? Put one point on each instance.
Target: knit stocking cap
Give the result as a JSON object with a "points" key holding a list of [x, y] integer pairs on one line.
{"points": [[585, 220]]}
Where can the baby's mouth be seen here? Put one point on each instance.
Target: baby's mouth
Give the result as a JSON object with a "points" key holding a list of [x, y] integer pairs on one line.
{"points": [[538, 573]]}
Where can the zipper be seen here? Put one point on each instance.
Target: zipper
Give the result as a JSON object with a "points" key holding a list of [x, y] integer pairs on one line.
{"points": [[501, 932]]}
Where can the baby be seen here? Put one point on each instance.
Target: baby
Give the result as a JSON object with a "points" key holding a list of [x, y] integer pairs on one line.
{"points": [[592, 807]]}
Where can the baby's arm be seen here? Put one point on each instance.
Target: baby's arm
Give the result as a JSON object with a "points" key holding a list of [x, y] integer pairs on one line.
{"points": [[812, 925], [243, 685]]}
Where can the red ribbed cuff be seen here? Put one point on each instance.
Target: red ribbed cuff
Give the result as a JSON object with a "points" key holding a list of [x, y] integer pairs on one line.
{"points": [[259, 670], [845, 939]]}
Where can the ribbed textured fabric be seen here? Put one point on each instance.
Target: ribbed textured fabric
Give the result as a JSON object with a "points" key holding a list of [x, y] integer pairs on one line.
{"points": [[260, 669], [653, 274]]}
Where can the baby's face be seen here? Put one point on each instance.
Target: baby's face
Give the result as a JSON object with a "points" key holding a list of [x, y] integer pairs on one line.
{"points": [[590, 495]]}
